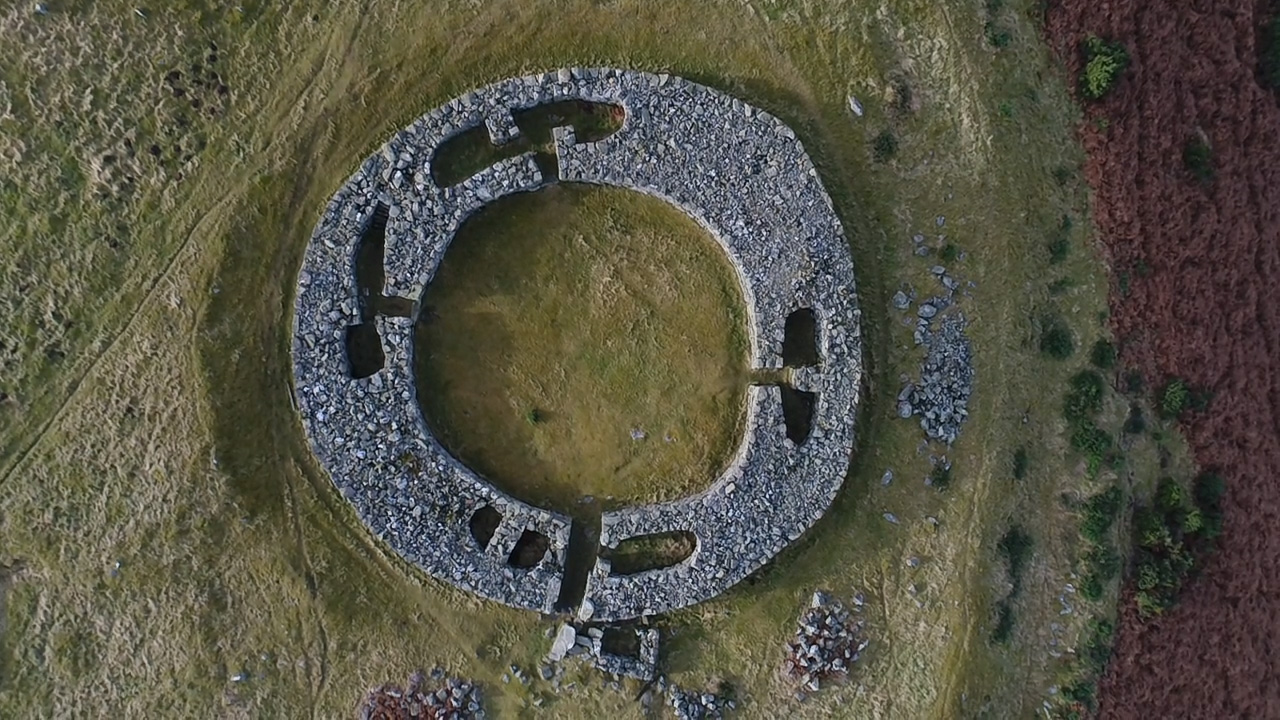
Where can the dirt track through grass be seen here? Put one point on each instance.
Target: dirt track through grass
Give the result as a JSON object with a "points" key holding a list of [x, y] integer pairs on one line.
{"points": [[162, 439]]}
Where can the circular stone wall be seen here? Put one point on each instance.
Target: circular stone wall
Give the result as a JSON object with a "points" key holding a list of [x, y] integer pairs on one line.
{"points": [[739, 172]]}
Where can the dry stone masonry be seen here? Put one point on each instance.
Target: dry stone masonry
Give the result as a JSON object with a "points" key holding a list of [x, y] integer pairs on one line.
{"points": [[738, 171]]}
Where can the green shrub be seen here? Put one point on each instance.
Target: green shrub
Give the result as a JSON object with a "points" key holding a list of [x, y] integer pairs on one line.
{"points": [[1269, 58], [1084, 396], [1103, 355], [1090, 439], [1198, 399], [949, 253], [1192, 521], [1104, 61], [1174, 398], [1133, 381], [1082, 691], [1096, 649], [1056, 340], [1061, 285], [884, 146], [1020, 463], [1015, 546], [1149, 605], [1171, 498], [1091, 587], [1135, 423], [1004, 622], [1208, 491], [1103, 560], [940, 476], [1100, 513], [1060, 241], [1197, 156], [997, 37]]}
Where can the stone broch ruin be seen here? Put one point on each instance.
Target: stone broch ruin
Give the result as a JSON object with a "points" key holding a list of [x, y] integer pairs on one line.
{"points": [[744, 177]]}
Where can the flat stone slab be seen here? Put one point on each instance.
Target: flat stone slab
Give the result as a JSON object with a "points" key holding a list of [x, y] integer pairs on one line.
{"points": [[742, 175]]}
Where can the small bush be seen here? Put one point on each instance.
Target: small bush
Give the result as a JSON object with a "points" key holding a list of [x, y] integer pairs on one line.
{"points": [[1104, 61], [1004, 622], [1103, 355], [1082, 692], [533, 416], [1020, 463], [1136, 422], [1104, 561], [1197, 156], [884, 146], [997, 37], [1174, 398], [1091, 587], [1198, 399], [1061, 285], [1056, 340], [1133, 381], [1100, 513], [949, 253], [1096, 650], [1269, 58], [1208, 492], [1084, 396], [1170, 496], [1015, 546], [1060, 241], [1090, 439], [940, 476]]}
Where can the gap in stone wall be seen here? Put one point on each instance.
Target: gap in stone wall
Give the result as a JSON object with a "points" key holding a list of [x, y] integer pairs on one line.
{"points": [[529, 550], [484, 523], [797, 413], [654, 551], [800, 339], [580, 559], [471, 151]]}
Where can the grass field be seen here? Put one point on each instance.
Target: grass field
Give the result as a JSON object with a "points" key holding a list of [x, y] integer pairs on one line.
{"points": [[563, 321], [174, 550]]}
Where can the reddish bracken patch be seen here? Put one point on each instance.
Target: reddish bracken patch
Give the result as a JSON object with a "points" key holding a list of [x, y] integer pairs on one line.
{"points": [[1203, 264]]}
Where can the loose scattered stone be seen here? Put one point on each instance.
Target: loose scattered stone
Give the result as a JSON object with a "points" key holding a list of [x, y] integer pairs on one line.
{"points": [[826, 644], [941, 397], [855, 106], [887, 477], [891, 518], [901, 301], [691, 705], [563, 643], [453, 699]]}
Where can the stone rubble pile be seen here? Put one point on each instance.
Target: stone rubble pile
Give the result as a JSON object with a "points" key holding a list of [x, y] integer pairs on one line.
{"points": [[737, 170], [693, 705], [940, 398], [453, 699], [827, 643], [571, 642]]}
